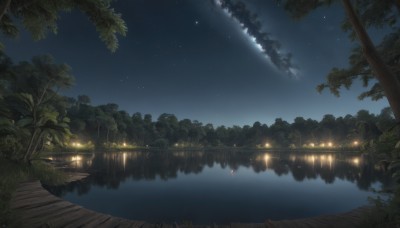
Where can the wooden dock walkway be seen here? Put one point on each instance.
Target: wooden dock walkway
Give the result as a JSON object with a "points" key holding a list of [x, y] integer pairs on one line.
{"points": [[36, 207]]}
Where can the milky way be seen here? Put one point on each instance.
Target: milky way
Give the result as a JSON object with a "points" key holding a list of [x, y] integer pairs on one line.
{"points": [[251, 28]]}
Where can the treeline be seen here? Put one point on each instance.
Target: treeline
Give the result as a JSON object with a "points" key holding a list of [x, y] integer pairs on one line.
{"points": [[34, 117], [106, 124]]}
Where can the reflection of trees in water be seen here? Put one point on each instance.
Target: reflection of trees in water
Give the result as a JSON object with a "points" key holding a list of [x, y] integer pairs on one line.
{"points": [[110, 169]]}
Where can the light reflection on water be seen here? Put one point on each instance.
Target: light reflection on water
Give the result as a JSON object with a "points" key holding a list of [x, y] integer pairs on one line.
{"points": [[221, 187]]}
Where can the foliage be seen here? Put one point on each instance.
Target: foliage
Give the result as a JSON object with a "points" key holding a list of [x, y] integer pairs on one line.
{"points": [[385, 213], [366, 62], [360, 69], [40, 17], [33, 114], [106, 125]]}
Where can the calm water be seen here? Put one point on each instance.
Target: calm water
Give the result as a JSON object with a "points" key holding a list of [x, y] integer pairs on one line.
{"points": [[221, 187]]}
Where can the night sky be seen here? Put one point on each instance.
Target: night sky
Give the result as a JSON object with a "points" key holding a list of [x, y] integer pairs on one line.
{"points": [[191, 59]]}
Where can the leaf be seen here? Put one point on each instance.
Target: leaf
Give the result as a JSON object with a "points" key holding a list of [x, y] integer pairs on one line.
{"points": [[394, 165], [25, 122]]}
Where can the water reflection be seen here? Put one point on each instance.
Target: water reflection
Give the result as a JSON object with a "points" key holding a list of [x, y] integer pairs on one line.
{"points": [[110, 169], [220, 186]]}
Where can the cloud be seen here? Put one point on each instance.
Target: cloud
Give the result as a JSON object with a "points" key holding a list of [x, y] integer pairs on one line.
{"points": [[251, 27]]}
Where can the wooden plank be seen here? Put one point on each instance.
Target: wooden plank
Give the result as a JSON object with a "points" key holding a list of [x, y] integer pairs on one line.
{"points": [[111, 223], [27, 204], [34, 194], [26, 186], [97, 223], [63, 220], [28, 190], [52, 209], [49, 217], [86, 218], [32, 200]]}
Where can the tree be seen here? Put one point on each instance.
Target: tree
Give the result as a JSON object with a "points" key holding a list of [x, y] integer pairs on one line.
{"points": [[373, 13], [83, 99], [40, 17], [33, 104]]}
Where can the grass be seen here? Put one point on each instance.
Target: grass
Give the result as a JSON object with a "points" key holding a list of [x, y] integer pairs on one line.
{"points": [[384, 213], [12, 173]]}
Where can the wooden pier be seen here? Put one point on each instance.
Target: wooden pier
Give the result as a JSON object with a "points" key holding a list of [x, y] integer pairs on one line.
{"points": [[36, 207]]}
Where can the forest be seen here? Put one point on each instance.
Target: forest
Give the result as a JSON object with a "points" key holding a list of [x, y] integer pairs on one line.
{"points": [[106, 125], [36, 117]]}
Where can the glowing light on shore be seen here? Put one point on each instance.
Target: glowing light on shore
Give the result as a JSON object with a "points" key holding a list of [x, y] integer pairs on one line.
{"points": [[76, 144], [124, 144], [330, 144], [355, 143], [356, 161], [267, 145], [322, 145], [76, 158], [312, 144]]}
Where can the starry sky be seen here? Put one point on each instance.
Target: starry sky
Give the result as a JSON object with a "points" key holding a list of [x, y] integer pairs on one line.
{"points": [[194, 59]]}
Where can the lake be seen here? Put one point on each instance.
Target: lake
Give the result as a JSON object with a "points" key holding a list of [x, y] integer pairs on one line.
{"points": [[220, 187]]}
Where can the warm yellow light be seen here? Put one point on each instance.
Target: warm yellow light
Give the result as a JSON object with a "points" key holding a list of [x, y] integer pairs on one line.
{"points": [[267, 157], [124, 159], [76, 144], [356, 161], [312, 144], [124, 144], [267, 145], [322, 144], [76, 158], [355, 143], [330, 144]]}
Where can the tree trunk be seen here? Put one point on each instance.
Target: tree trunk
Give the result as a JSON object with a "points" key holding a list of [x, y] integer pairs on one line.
{"points": [[27, 152], [108, 131], [4, 7], [387, 79], [39, 140]]}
